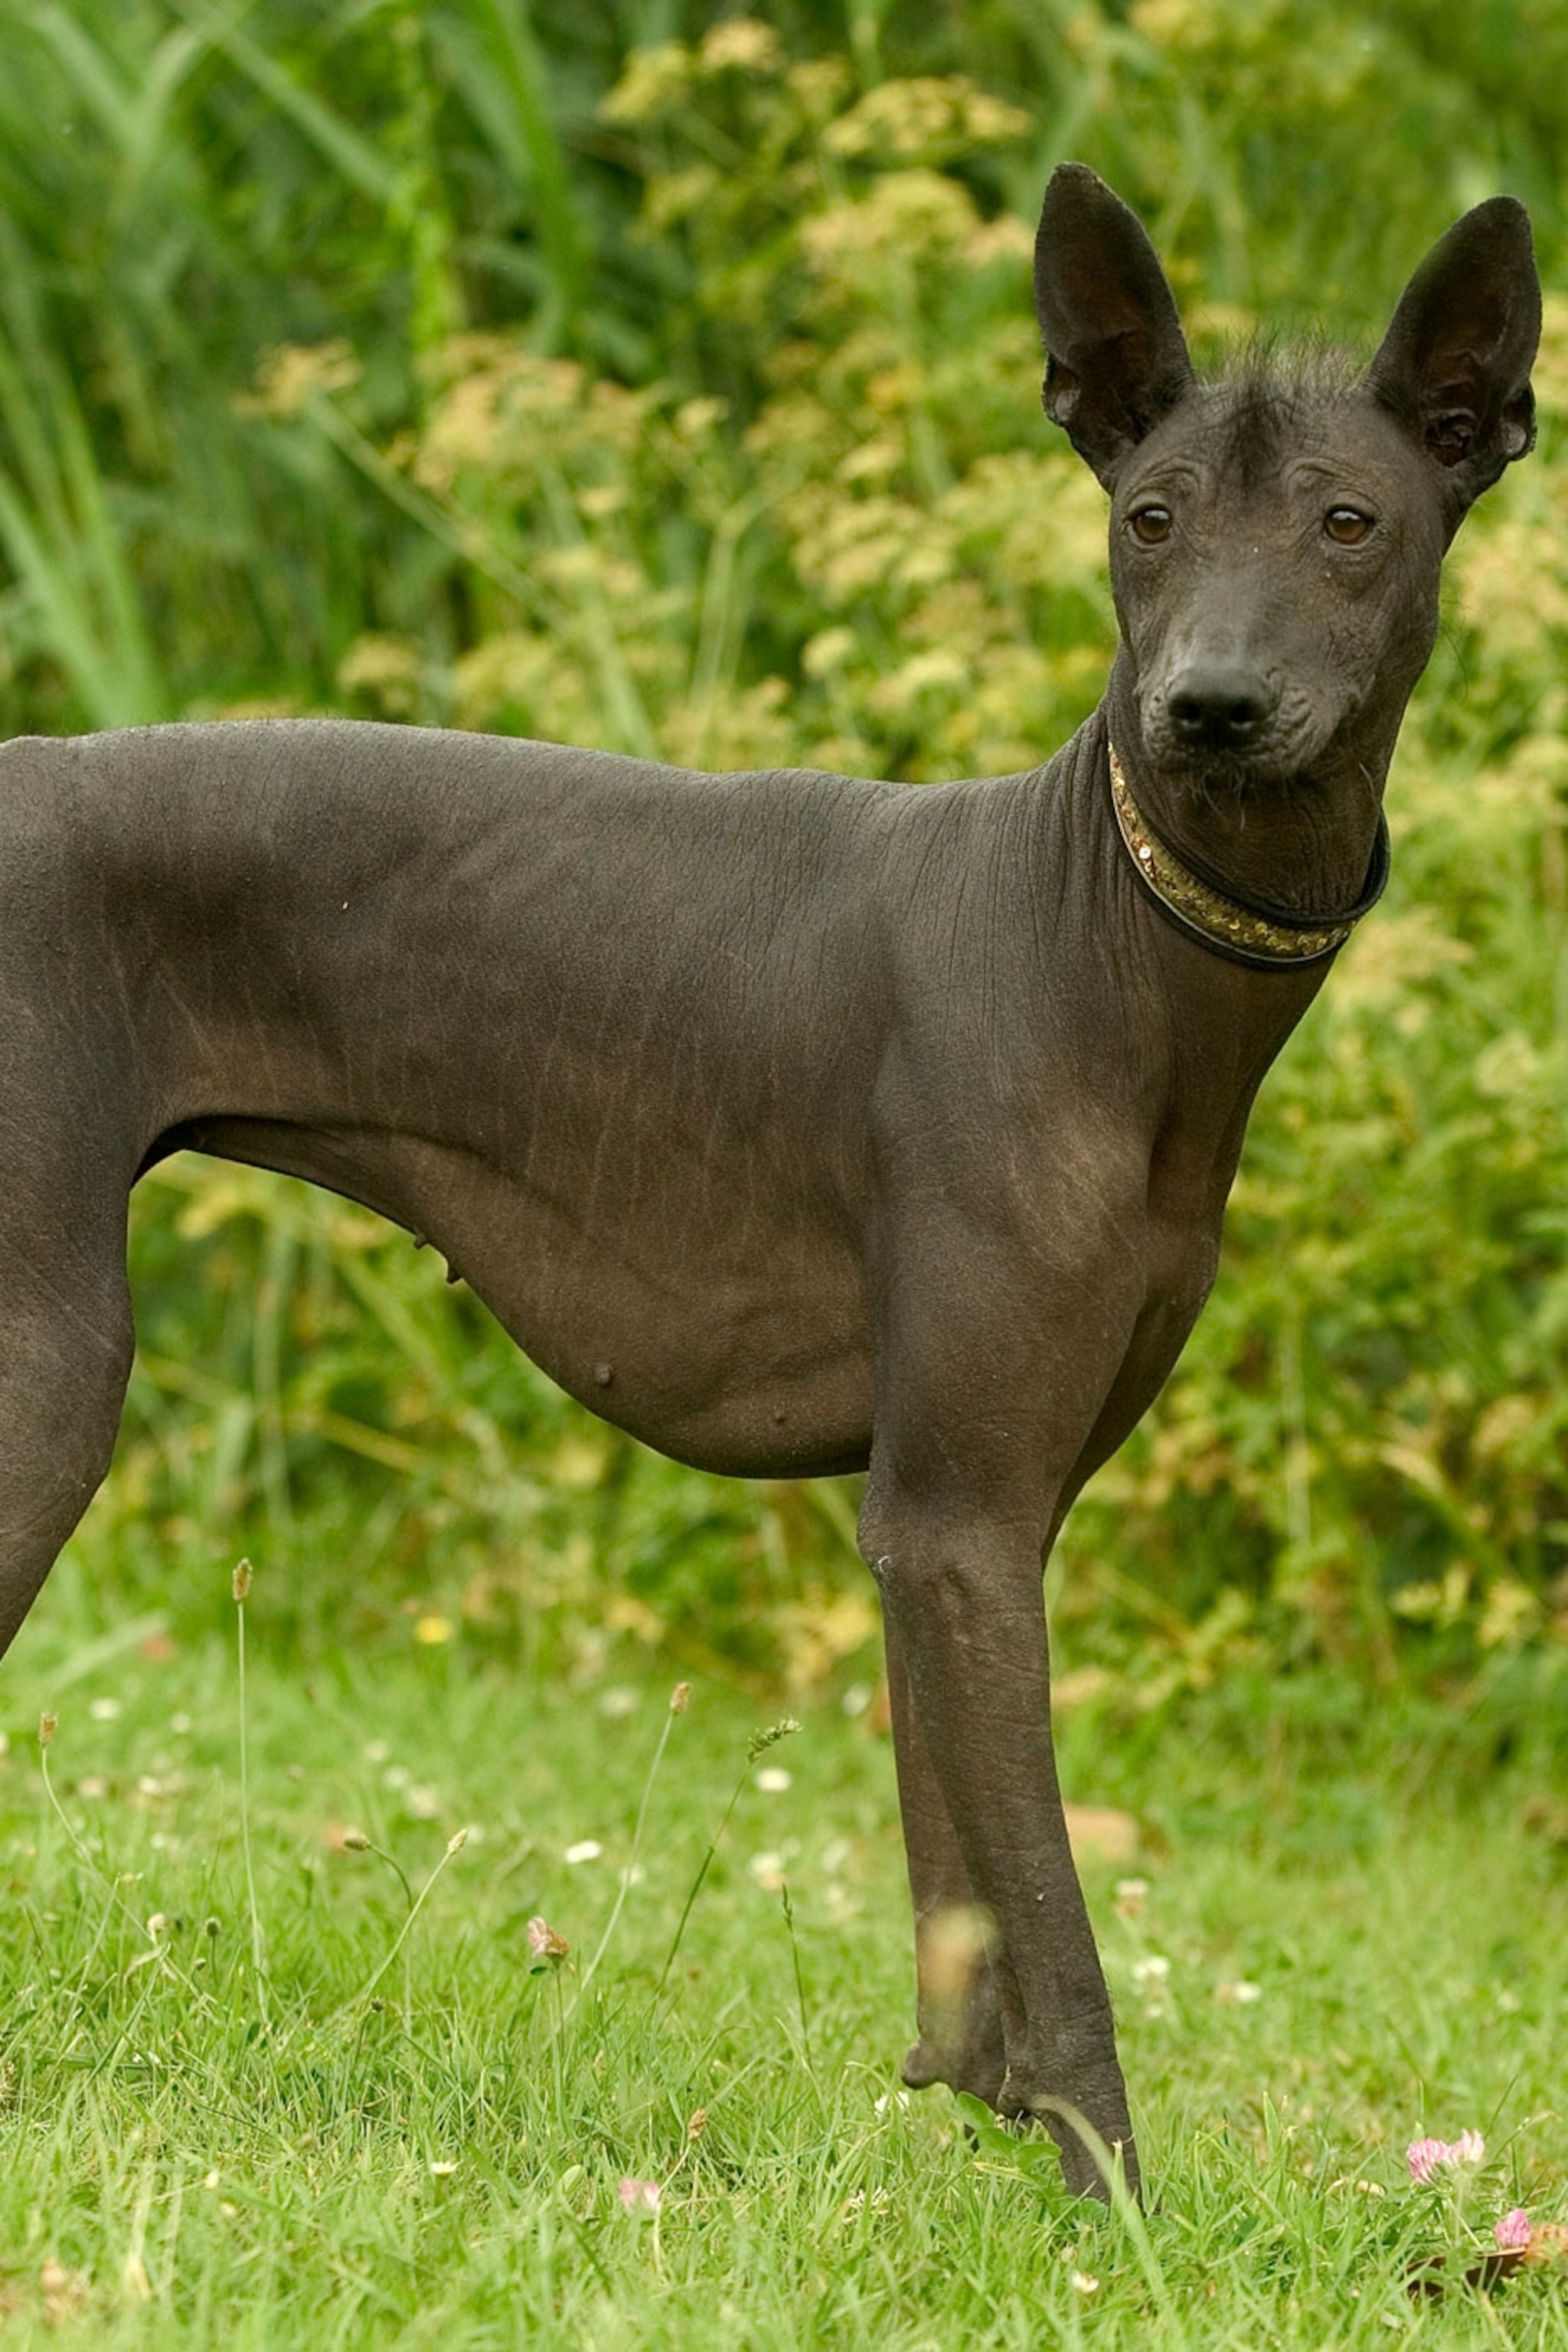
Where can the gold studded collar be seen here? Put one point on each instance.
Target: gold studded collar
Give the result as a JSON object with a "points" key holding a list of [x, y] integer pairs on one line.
{"points": [[1268, 938]]}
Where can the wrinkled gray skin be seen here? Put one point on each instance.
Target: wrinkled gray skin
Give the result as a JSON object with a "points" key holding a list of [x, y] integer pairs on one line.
{"points": [[795, 1123]]}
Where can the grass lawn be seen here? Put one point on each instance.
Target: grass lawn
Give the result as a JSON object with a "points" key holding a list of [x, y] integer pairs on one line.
{"points": [[1361, 1908]]}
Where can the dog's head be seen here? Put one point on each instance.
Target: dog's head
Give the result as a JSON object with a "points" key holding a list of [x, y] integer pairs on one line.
{"points": [[1277, 535]]}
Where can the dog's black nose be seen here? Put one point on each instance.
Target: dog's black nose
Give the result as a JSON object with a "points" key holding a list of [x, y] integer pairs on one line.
{"points": [[1218, 709]]}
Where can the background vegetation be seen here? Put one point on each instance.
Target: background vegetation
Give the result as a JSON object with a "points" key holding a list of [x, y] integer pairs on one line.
{"points": [[666, 379]]}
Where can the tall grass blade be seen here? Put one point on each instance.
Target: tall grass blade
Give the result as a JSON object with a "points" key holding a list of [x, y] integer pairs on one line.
{"points": [[336, 141], [501, 72]]}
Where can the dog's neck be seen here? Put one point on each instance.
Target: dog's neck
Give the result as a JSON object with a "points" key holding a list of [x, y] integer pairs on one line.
{"points": [[1264, 937], [1304, 844]]}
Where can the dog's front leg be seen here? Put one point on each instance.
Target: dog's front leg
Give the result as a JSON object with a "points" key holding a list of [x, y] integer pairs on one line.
{"points": [[959, 2014], [981, 1420], [967, 1620]]}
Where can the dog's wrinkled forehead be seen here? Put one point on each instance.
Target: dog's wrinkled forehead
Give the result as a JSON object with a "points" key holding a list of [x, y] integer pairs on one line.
{"points": [[1267, 406]]}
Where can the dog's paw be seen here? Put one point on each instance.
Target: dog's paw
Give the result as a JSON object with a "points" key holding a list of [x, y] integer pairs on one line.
{"points": [[968, 2068]]}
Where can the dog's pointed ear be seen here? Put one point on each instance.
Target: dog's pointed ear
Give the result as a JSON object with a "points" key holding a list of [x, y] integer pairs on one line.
{"points": [[1453, 366], [1115, 357]]}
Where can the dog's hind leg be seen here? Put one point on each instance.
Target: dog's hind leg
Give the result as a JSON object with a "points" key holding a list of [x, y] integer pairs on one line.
{"points": [[66, 1343]]}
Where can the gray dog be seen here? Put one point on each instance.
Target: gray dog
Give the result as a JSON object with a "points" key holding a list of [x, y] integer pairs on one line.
{"points": [[795, 1123]]}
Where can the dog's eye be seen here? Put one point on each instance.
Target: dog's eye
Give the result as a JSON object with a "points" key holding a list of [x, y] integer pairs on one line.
{"points": [[1151, 524], [1347, 526]]}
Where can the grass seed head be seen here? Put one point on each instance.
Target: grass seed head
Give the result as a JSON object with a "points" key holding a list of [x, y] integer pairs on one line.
{"points": [[761, 1741], [48, 1726], [680, 1698], [240, 1583]]}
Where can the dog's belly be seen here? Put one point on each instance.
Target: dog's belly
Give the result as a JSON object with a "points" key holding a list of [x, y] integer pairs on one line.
{"points": [[752, 1364], [740, 1344]]}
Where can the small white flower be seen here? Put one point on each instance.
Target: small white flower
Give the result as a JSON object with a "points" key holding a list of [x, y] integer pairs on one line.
{"points": [[768, 1870], [423, 1803], [1150, 1973], [618, 1702], [773, 1779], [857, 1698], [103, 1710], [585, 1850]]}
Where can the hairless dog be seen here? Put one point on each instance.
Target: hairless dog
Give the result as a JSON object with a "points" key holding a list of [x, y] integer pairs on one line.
{"points": [[797, 1123]]}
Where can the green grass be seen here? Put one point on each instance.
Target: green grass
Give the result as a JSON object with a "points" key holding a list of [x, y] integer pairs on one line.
{"points": [[421, 2141]]}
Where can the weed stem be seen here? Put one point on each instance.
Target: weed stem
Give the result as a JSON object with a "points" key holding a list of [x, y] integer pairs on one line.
{"points": [[240, 1587], [455, 1844], [87, 1858], [756, 1745], [677, 1707]]}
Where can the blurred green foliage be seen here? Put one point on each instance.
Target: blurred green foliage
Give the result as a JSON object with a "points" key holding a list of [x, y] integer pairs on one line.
{"points": [[663, 379]]}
